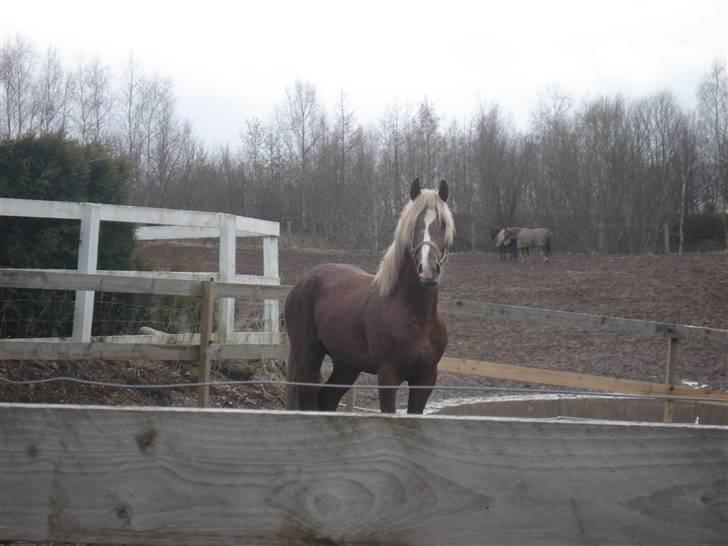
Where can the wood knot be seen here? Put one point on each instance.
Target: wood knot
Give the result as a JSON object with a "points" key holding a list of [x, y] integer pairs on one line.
{"points": [[123, 513], [145, 439]]}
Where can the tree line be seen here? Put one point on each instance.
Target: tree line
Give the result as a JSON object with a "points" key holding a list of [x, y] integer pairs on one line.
{"points": [[604, 173]]}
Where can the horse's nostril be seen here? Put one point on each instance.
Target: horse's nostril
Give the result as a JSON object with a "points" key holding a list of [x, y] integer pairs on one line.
{"points": [[420, 269]]}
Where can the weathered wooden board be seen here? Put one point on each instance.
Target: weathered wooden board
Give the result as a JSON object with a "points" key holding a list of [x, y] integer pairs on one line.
{"points": [[135, 283], [137, 215], [584, 321], [33, 350], [29, 350], [184, 476], [572, 379], [589, 407]]}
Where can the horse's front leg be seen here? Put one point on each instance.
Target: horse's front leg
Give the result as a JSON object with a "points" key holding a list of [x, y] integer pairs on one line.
{"points": [[329, 397], [418, 396], [387, 377]]}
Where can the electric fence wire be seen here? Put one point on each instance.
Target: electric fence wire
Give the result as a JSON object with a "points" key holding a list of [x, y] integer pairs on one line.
{"points": [[272, 382]]}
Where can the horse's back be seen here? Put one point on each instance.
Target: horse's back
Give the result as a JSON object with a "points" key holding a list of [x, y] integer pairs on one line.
{"points": [[326, 285], [328, 277], [534, 237]]}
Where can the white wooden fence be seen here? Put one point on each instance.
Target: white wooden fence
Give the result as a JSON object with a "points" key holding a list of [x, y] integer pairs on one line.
{"points": [[167, 224]]}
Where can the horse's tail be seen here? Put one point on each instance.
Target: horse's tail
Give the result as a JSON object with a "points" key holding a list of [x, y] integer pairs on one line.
{"points": [[291, 307], [305, 351], [291, 390], [549, 237]]}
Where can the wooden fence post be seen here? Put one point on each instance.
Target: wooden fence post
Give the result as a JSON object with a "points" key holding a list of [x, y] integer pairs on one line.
{"points": [[271, 308], [226, 312], [88, 251], [670, 375], [203, 370]]}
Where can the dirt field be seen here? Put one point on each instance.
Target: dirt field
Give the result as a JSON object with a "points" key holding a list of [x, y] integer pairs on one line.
{"points": [[690, 289]]}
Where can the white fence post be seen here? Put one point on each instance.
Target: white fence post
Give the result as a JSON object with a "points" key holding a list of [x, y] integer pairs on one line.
{"points": [[226, 309], [88, 251], [270, 269]]}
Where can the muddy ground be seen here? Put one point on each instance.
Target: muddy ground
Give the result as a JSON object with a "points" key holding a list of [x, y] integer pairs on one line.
{"points": [[689, 289]]}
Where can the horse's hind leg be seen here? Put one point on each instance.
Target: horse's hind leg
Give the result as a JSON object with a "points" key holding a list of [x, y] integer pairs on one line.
{"points": [[329, 397], [304, 366]]}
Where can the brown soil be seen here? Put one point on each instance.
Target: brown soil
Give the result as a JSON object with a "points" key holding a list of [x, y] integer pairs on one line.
{"points": [[689, 289]]}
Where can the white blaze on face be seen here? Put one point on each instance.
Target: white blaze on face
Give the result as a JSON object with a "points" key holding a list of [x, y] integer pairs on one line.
{"points": [[430, 216]]}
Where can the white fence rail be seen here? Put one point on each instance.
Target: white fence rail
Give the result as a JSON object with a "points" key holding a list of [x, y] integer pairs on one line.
{"points": [[166, 224]]}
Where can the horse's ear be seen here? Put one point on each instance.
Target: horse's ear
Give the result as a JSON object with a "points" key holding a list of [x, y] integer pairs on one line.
{"points": [[442, 192], [415, 189]]}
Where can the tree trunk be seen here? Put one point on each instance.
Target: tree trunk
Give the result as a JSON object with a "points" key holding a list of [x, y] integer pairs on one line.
{"points": [[682, 216], [666, 231]]}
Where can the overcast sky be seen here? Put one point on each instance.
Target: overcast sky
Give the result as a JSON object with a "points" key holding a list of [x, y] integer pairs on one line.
{"points": [[231, 61]]}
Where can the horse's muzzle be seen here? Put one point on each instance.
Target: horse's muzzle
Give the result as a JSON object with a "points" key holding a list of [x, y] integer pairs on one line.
{"points": [[428, 276]]}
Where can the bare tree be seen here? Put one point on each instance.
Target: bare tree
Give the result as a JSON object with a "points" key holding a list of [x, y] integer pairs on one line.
{"points": [[713, 134], [303, 123], [52, 95], [499, 188], [17, 65], [427, 140], [93, 101], [391, 157]]}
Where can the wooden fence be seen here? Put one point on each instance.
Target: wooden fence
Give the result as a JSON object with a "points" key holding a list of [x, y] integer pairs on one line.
{"points": [[168, 223], [188, 476], [205, 346]]}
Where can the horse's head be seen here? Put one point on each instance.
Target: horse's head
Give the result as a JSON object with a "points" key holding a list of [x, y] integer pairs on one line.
{"points": [[433, 232], [494, 231]]}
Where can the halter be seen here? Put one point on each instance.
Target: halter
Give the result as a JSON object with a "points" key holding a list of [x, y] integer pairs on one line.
{"points": [[442, 255]]}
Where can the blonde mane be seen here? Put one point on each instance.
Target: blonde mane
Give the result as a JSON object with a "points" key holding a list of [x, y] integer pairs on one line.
{"points": [[385, 279]]}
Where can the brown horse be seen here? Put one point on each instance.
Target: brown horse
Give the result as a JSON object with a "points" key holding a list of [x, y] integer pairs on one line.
{"points": [[388, 324]]}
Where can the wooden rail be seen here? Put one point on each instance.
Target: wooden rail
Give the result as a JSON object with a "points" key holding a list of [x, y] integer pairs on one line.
{"points": [[574, 380], [187, 476], [584, 321], [139, 284], [136, 283], [69, 350]]}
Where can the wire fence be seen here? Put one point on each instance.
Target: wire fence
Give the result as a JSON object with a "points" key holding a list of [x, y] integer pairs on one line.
{"points": [[282, 383], [49, 313]]}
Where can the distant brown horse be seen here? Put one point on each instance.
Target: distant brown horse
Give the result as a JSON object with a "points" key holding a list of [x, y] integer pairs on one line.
{"points": [[388, 324], [505, 239]]}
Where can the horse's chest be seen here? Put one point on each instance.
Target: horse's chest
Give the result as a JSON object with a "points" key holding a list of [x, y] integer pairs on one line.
{"points": [[412, 341]]}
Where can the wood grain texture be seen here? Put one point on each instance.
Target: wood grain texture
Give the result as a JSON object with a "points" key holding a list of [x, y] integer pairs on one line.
{"points": [[183, 476]]}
